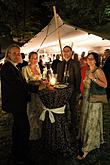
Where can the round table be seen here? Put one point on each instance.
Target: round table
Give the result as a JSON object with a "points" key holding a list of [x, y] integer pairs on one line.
{"points": [[57, 137]]}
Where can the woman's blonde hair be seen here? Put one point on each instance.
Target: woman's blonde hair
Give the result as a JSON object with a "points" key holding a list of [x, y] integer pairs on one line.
{"points": [[8, 50]]}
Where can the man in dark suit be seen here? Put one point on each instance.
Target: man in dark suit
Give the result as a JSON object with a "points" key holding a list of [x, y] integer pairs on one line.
{"points": [[106, 69], [68, 71], [55, 63], [14, 93], [24, 63]]}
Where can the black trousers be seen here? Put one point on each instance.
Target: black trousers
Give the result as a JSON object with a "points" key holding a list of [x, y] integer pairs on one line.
{"points": [[74, 107], [20, 135]]}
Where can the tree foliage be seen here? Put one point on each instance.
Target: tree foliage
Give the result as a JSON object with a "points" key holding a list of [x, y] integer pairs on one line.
{"points": [[27, 17], [85, 13], [24, 17]]}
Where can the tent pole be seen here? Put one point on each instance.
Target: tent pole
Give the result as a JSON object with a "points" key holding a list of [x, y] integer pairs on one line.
{"points": [[56, 23]]}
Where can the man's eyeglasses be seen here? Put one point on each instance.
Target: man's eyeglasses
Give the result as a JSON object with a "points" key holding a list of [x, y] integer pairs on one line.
{"points": [[34, 58], [67, 52]]}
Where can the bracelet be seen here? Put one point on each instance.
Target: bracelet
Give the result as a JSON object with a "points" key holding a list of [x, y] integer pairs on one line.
{"points": [[95, 79]]}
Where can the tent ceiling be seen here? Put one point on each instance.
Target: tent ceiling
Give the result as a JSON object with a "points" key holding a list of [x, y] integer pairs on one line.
{"points": [[73, 36]]}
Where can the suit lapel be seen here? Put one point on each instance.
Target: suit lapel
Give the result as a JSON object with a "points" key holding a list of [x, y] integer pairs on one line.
{"points": [[18, 72]]}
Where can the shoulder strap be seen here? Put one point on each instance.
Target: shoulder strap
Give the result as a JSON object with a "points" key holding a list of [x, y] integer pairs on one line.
{"points": [[94, 70]]}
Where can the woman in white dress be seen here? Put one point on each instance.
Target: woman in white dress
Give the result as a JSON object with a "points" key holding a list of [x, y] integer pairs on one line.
{"points": [[32, 74]]}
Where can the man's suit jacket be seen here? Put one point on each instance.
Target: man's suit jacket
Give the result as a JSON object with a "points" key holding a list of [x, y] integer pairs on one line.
{"points": [[14, 89], [74, 74], [106, 69]]}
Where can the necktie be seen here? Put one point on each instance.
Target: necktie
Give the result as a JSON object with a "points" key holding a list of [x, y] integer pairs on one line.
{"points": [[66, 74], [65, 70]]}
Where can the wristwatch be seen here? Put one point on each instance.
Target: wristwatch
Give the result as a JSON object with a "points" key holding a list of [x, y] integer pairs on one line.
{"points": [[95, 79]]}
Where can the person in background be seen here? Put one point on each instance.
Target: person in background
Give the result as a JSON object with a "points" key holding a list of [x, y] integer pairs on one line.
{"points": [[84, 67], [24, 63], [68, 71], [53, 56], [82, 57], [106, 69], [91, 120], [32, 74], [14, 94], [76, 58], [0, 69], [55, 63], [41, 65]]}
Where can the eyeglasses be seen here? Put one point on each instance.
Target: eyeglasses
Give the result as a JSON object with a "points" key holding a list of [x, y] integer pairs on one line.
{"points": [[90, 58], [34, 58], [66, 53]]}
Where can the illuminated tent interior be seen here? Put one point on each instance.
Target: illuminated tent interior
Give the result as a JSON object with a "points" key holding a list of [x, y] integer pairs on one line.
{"points": [[80, 40]]}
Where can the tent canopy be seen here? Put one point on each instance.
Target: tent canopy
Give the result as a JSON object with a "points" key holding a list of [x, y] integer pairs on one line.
{"points": [[47, 39]]}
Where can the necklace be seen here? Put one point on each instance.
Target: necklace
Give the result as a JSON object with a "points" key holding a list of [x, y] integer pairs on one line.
{"points": [[34, 70]]}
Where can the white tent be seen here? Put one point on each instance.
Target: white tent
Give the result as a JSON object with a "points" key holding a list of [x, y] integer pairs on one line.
{"points": [[47, 39]]}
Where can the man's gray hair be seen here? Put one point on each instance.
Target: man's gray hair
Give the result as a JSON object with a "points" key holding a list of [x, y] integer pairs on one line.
{"points": [[8, 50]]}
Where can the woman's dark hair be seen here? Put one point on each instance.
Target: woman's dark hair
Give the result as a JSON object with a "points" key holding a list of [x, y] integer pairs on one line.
{"points": [[96, 57], [31, 53]]}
